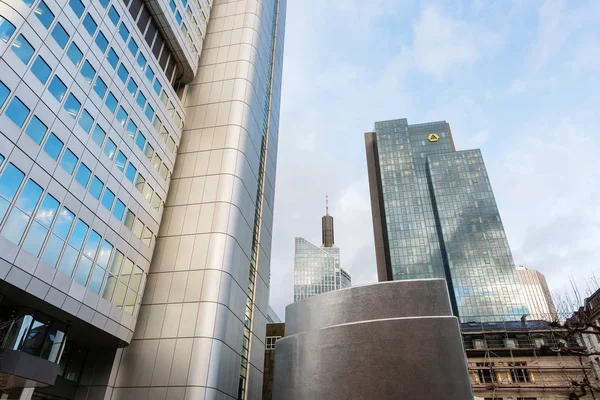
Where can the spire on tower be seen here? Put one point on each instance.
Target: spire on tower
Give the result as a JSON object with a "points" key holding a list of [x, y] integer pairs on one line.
{"points": [[326, 205]]}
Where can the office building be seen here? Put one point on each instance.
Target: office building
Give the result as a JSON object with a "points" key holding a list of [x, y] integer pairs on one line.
{"points": [[317, 268], [275, 331], [435, 216], [138, 149], [587, 321], [387, 341], [537, 294]]}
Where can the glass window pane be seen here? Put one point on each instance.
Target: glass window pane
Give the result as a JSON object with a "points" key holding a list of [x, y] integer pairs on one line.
{"points": [[67, 263], [96, 187], [140, 141], [36, 130], [141, 61], [15, 225], [101, 41], [140, 182], [141, 100], [149, 152], [35, 238], [44, 14], [111, 102], [123, 73], [52, 250], [156, 162], [171, 144], [57, 88], [53, 146], [41, 69], [157, 87], [100, 87], [89, 24], [60, 35], [147, 193], [109, 288], [124, 32], [68, 161], [113, 15], [17, 112], [119, 296], [133, 47], [110, 148], [136, 279], [10, 181], [96, 279], [122, 116], [63, 223], [147, 236], [129, 219], [149, 74], [156, 200], [29, 197], [126, 271], [6, 29], [164, 171], [112, 58], [77, 7], [72, 105], [88, 72], [104, 254], [23, 49], [104, 3], [131, 129], [74, 54], [98, 135], [108, 199], [4, 92], [83, 270], [132, 87], [47, 211], [91, 246], [149, 112], [86, 121], [131, 171], [83, 175], [78, 234], [130, 301], [119, 210], [121, 161], [115, 263]]}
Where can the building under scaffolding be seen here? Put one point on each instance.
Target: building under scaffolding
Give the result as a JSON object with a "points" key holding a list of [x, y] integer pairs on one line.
{"points": [[517, 361]]}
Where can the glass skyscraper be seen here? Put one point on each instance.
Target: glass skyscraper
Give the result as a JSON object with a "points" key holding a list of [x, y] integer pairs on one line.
{"points": [[435, 216], [317, 268], [138, 149]]}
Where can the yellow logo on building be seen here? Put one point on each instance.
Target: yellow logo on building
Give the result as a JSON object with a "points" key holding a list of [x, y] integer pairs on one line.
{"points": [[433, 137]]}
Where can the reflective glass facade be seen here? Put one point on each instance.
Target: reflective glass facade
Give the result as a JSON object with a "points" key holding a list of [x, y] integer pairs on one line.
{"points": [[436, 217], [317, 270]]}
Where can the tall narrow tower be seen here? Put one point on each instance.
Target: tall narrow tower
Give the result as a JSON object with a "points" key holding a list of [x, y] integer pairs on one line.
{"points": [[327, 226]]}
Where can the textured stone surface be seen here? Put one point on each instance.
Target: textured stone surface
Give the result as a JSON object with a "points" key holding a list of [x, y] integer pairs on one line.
{"points": [[393, 340]]}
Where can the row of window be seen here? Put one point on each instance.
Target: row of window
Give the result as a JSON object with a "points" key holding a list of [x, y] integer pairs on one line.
{"points": [[48, 231], [18, 112], [183, 27]]}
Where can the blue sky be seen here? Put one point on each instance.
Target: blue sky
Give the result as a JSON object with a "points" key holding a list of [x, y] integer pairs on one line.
{"points": [[520, 80]]}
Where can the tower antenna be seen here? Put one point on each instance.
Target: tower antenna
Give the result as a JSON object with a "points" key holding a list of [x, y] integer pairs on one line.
{"points": [[326, 205]]}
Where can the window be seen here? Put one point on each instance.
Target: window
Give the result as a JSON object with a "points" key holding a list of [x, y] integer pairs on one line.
{"points": [[171, 144], [131, 171], [36, 130], [60, 35], [146, 237], [141, 61], [114, 15], [119, 210], [123, 73], [83, 175], [22, 49], [110, 148], [157, 87], [149, 152], [149, 112], [98, 135], [517, 374], [112, 58], [6, 29], [124, 32], [41, 69], [156, 162], [108, 199], [101, 41], [172, 5], [122, 116], [141, 100], [132, 87], [129, 219], [39, 229], [10, 180], [100, 88], [17, 112], [69, 161], [178, 18], [156, 200], [53, 146], [147, 192], [133, 47], [104, 3], [149, 74], [43, 13], [77, 7], [57, 88], [72, 105], [131, 129], [96, 187], [111, 102], [86, 121], [19, 217], [140, 141], [88, 72], [121, 161], [485, 373], [74, 54], [140, 181], [4, 92], [270, 342]]}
